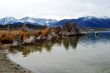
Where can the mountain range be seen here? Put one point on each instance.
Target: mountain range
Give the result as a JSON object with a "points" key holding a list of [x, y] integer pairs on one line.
{"points": [[88, 21], [27, 20]]}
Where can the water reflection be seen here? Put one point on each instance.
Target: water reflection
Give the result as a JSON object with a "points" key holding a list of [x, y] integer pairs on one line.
{"points": [[47, 45], [91, 55], [66, 42], [70, 42], [92, 39]]}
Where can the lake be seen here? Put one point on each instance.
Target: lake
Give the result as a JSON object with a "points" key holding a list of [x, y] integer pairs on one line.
{"points": [[86, 54]]}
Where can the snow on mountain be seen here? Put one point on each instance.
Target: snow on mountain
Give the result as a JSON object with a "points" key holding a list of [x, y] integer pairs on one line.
{"points": [[87, 18], [27, 19], [82, 22], [8, 20], [87, 22], [37, 21]]}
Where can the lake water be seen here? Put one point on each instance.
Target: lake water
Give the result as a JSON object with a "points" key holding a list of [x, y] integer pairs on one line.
{"points": [[86, 54]]}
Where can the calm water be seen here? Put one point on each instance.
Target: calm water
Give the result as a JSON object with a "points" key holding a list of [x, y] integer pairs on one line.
{"points": [[87, 54]]}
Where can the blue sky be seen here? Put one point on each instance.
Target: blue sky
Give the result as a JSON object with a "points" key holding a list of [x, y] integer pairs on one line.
{"points": [[57, 9]]}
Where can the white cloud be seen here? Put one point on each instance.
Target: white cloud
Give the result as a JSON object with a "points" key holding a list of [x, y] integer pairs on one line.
{"points": [[54, 8]]}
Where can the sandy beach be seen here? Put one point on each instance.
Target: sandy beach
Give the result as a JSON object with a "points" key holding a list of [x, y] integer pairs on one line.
{"points": [[8, 66]]}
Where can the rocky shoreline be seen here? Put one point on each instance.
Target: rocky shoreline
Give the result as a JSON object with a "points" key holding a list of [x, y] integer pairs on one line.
{"points": [[8, 66]]}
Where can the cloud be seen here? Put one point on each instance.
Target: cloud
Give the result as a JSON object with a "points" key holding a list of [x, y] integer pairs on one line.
{"points": [[54, 8]]}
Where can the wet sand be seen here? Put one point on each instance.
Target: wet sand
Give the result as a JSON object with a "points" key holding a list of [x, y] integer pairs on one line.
{"points": [[8, 66]]}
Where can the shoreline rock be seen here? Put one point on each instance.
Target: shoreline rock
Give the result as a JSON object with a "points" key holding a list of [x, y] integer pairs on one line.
{"points": [[8, 66]]}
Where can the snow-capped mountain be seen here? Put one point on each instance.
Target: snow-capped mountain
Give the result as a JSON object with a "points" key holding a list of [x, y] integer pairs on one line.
{"points": [[39, 21], [8, 20], [28, 19], [82, 21], [87, 18], [35, 21], [87, 22]]}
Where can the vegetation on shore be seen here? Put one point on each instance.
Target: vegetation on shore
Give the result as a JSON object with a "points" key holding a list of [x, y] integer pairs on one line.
{"points": [[25, 35]]}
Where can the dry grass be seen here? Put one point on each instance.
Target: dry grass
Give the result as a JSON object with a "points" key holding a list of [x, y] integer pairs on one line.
{"points": [[11, 34]]}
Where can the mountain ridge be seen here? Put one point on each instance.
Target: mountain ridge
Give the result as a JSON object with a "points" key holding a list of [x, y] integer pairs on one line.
{"points": [[88, 21], [25, 20]]}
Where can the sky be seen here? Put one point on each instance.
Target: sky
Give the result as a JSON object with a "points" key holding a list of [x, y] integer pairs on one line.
{"points": [[55, 9]]}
